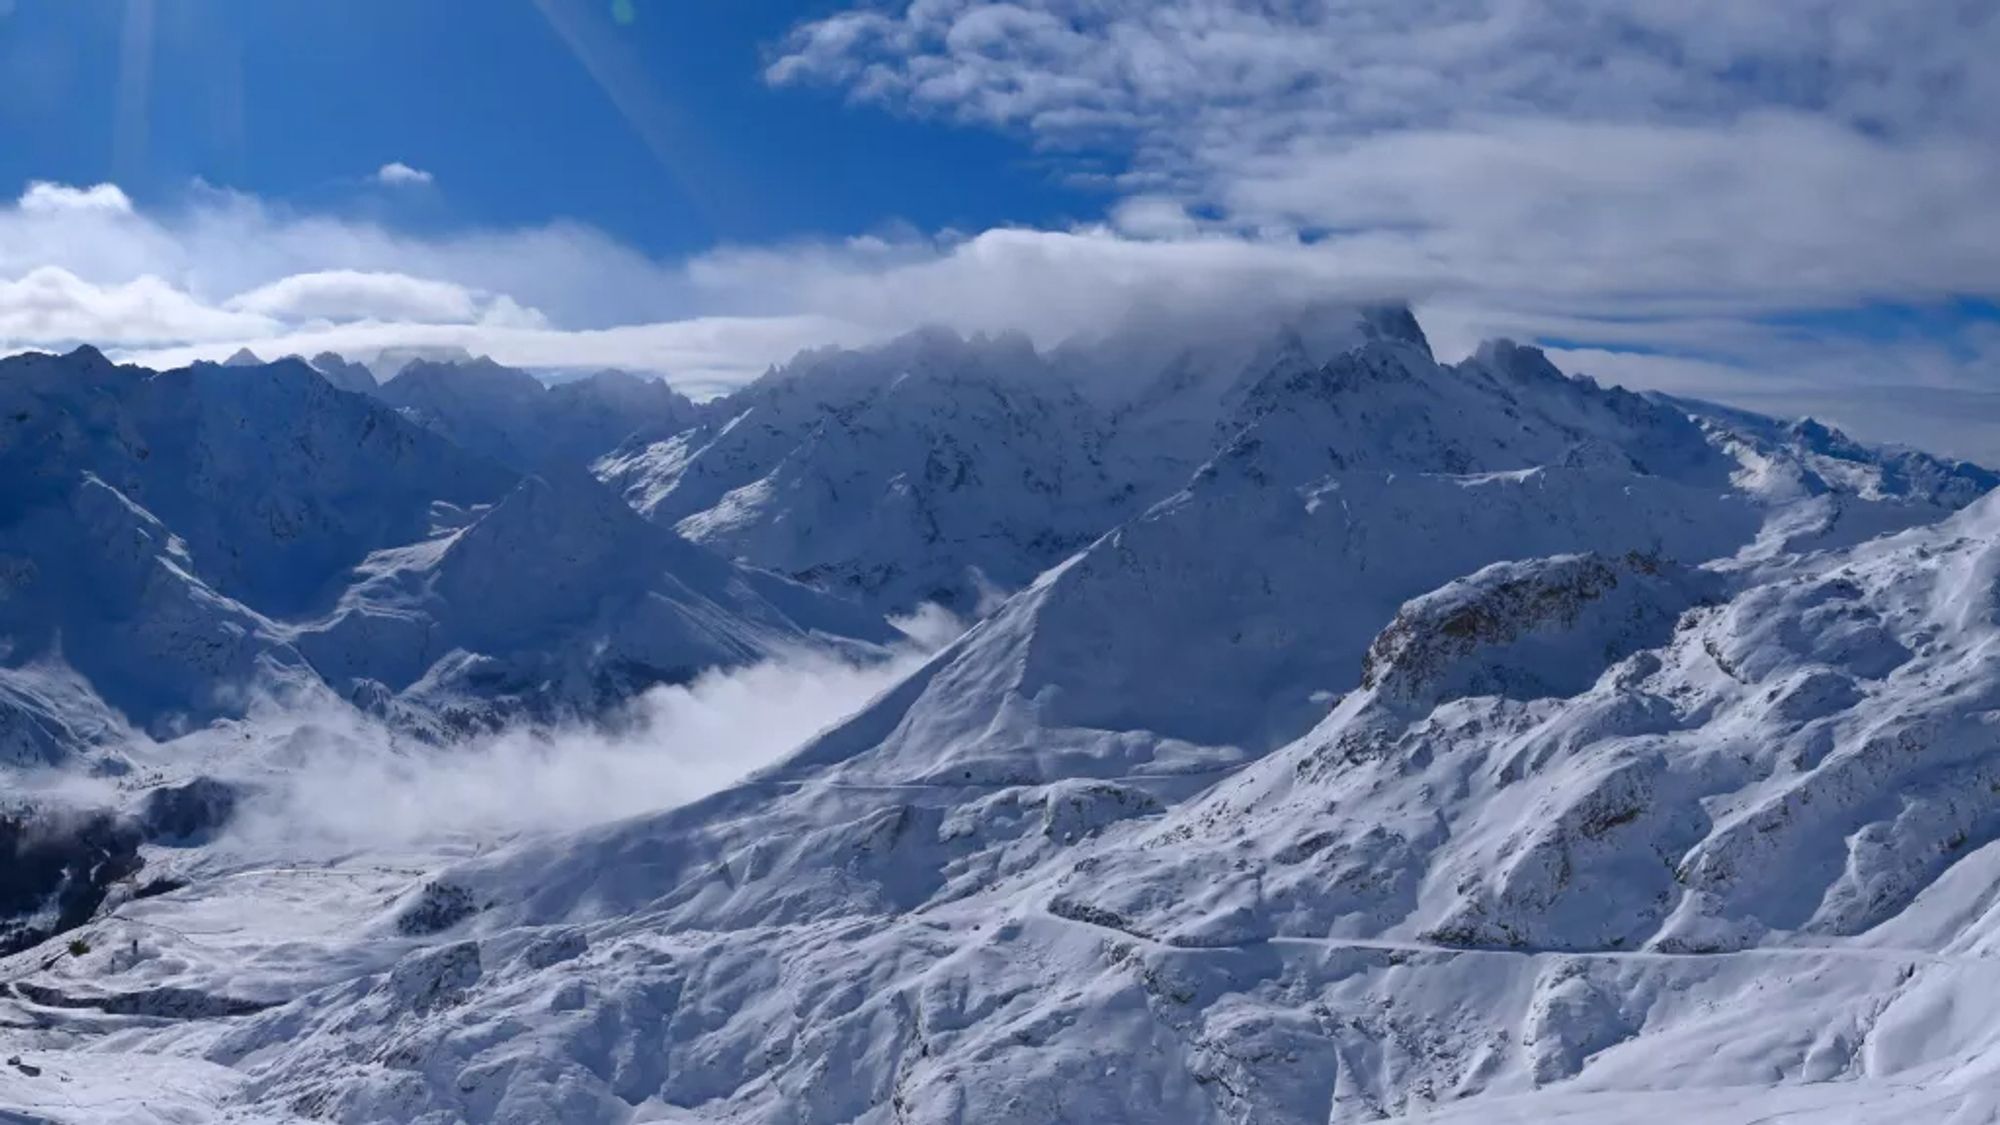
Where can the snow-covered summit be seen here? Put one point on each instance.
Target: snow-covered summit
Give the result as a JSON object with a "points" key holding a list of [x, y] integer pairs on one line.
{"points": [[938, 468], [559, 599]]}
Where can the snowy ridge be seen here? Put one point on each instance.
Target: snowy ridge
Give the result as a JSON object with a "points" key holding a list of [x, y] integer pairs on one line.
{"points": [[345, 373]]}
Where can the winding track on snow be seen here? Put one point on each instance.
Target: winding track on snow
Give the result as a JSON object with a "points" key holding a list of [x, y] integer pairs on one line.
{"points": [[1391, 945]]}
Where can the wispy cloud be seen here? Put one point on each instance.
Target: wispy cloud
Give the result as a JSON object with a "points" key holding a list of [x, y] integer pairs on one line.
{"points": [[1539, 153], [348, 295], [1190, 79]]}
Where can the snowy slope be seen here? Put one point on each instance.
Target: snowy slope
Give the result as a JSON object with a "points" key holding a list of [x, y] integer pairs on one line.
{"points": [[156, 526], [561, 599], [275, 480], [1598, 838]]}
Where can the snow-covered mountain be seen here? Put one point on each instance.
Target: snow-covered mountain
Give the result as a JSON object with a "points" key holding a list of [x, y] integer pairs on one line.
{"points": [[175, 543], [942, 469], [945, 470], [559, 599], [933, 469], [1463, 739], [514, 418], [1596, 836]]}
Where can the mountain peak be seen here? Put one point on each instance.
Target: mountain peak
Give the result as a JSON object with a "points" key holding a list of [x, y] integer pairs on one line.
{"points": [[344, 373], [87, 356], [1397, 323], [389, 362], [488, 372], [1511, 355]]}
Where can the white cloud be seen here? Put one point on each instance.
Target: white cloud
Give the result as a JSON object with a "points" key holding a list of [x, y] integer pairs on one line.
{"points": [[1649, 176], [43, 197], [1796, 151], [1770, 210], [1052, 284], [398, 174], [222, 271], [357, 295], [1190, 75], [52, 306], [568, 295]]}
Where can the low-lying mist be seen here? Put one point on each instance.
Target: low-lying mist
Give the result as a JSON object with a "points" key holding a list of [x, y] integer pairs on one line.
{"points": [[329, 779]]}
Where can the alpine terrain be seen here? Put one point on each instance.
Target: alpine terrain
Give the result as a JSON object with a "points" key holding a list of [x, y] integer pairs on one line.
{"points": [[1262, 722]]}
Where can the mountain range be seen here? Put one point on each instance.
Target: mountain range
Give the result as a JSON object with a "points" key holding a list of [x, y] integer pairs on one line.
{"points": [[1335, 734], [178, 544]]}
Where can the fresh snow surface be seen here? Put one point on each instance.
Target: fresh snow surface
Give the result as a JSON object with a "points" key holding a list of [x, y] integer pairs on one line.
{"points": [[1466, 743]]}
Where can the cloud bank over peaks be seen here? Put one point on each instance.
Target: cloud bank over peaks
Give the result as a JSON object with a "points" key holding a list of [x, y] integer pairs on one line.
{"points": [[220, 271], [1638, 181], [1678, 254]]}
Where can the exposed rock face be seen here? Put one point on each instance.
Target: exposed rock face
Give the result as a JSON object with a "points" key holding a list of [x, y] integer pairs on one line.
{"points": [[1511, 628], [437, 907], [189, 813], [61, 864]]}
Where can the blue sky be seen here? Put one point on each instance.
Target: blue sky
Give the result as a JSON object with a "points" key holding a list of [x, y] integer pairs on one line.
{"points": [[299, 100], [1786, 204]]}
